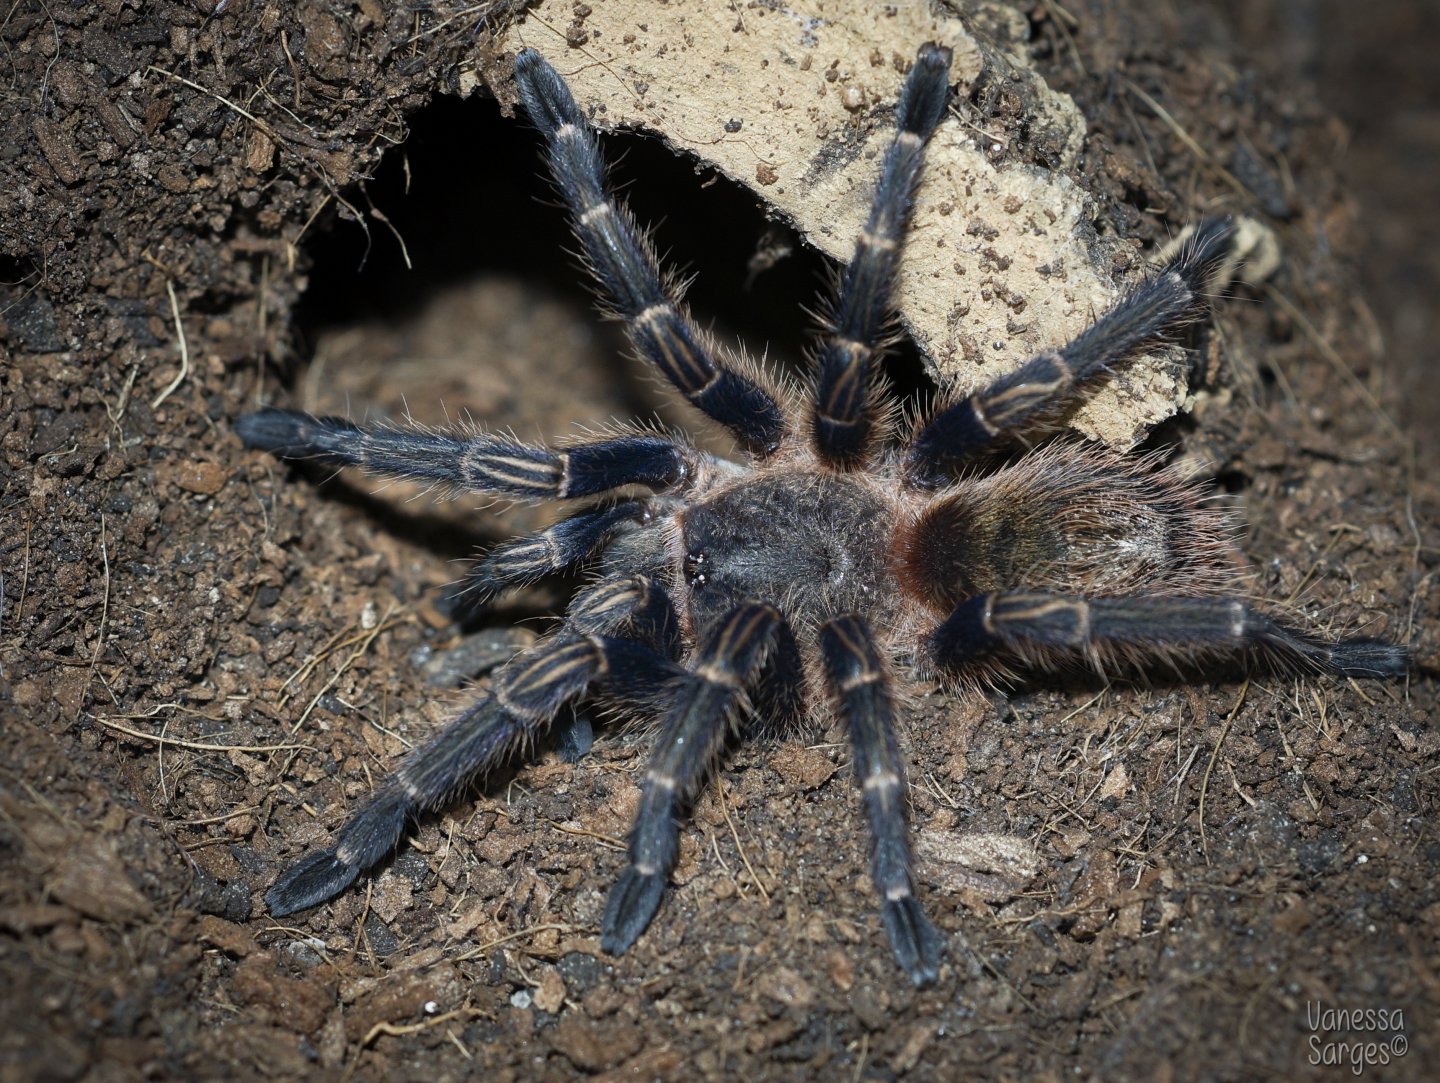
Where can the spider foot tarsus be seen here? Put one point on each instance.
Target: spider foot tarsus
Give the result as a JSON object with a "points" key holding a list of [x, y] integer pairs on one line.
{"points": [[1347, 658], [630, 908], [369, 835], [293, 434], [309, 882], [1368, 658], [917, 944]]}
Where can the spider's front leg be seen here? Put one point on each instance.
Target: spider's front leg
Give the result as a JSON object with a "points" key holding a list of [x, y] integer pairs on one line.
{"points": [[1038, 627], [1152, 309], [524, 560], [483, 463], [622, 261], [858, 681], [527, 692]]}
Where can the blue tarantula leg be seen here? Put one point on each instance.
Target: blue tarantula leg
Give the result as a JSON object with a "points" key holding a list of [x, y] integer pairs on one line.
{"points": [[1157, 306], [858, 681], [624, 264], [843, 414], [642, 606], [528, 691], [484, 463], [729, 656], [1138, 628], [555, 549], [639, 603]]}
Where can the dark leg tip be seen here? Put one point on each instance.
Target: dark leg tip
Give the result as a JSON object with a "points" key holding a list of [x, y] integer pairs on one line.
{"points": [[934, 58], [1204, 251], [273, 430], [575, 735], [630, 908], [532, 69], [318, 877], [1368, 658], [466, 600], [547, 99], [917, 944], [922, 103]]}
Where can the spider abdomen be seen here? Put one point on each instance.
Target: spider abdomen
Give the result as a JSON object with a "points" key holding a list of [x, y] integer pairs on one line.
{"points": [[817, 542], [1071, 519]]}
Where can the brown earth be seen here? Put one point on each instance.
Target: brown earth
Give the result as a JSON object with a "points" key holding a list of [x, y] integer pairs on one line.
{"points": [[207, 658]]}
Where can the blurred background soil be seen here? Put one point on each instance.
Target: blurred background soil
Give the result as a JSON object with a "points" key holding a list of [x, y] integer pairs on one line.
{"points": [[207, 658]]}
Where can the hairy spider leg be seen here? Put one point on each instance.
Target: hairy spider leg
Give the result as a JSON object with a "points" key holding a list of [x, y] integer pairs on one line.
{"points": [[731, 653], [859, 683], [1155, 307], [527, 693], [1134, 628], [843, 414], [623, 262], [482, 463]]}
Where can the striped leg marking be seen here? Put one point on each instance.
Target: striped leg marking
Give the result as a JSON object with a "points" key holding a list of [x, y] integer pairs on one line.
{"points": [[527, 692], [858, 682], [623, 262], [1167, 628], [483, 464], [1154, 308], [843, 414], [730, 656]]}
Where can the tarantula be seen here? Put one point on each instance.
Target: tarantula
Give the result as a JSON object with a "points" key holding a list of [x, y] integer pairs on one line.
{"points": [[729, 594]]}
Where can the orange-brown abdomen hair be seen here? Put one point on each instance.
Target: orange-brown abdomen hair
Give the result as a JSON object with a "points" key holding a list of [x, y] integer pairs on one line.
{"points": [[1074, 518]]}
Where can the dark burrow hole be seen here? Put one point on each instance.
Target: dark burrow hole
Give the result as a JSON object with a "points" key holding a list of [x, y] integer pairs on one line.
{"points": [[469, 195]]}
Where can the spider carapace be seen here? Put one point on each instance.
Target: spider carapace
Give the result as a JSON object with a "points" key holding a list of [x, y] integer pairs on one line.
{"points": [[731, 597]]}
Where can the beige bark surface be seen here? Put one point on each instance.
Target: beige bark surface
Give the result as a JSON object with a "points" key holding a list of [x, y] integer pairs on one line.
{"points": [[796, 102]]}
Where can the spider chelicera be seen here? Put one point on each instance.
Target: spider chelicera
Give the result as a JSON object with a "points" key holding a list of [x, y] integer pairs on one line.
{"points": [[735, 597]]}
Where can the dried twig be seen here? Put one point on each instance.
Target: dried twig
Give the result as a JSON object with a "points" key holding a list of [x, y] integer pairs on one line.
{"points": [[184, 349]]}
